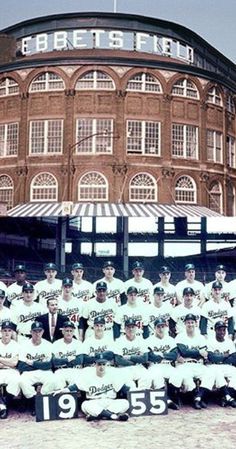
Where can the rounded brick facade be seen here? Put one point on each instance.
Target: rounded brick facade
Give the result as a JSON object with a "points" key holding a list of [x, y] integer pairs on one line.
{"points": [[99, 124]]}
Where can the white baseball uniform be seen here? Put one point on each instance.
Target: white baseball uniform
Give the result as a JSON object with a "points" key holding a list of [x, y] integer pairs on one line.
{"points": [[179, 313], [164, 312], [197, 286], [63, 350], [138, 312], [144, 287], [106, 309], [222, 370], [23, 316], [115, 287], [10, 376], [83, 290], [215, 311], [169, 291], [45, 289]]}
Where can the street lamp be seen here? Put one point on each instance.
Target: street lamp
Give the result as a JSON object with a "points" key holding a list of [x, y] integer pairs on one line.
{"points": [[70, 152]]}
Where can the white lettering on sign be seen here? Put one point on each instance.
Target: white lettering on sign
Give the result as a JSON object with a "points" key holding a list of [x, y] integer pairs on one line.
{"points": [[113, 39]]}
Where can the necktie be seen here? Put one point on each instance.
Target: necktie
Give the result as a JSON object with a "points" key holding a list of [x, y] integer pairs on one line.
{"points": [[53, 325]]}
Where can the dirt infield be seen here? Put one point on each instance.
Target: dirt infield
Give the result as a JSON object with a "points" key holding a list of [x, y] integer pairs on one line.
{"points": [[206, 429]]}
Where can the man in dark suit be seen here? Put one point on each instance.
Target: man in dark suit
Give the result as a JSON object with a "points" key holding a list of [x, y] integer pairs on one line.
{"points": [[52, 321]]}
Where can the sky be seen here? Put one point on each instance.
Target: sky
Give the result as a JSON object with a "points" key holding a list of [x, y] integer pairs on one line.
{"points": [[213, 20]]}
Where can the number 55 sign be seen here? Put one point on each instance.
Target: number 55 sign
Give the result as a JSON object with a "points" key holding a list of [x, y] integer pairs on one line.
{"points": [[147, 402], [61, 406]]}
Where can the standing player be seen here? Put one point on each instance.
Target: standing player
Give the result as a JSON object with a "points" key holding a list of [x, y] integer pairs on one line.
{"points": [[115, 287], [131, 353], [220, 275], [35, 364], [222, 356], [25, 313], [143, 285], [101, 388], [163, 353], [51, 286], [70, 307], [14, 291], [97, 343], [82, 289], [169, 289], [134, 309], [179, 313], [190, 281], [214, 310], [100, 306], [159, 309], [9, 375]]}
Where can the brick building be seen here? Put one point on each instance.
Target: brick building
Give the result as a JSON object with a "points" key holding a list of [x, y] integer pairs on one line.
{"points": [[103, 107]]}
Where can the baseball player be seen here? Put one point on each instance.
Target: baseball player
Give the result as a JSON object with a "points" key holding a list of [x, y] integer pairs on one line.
{"points": [[131, 353], [35, 363], [143, 285], [69, 306], [14, 291], [51, 286], [169, 289], [97, 343], [214, 310], [163, 353], [100, 306], [190, 365], [133, 309], [82, 289], [190, 281], [222, 356], [115, 287], [25, 313], [179, 313], [220, 275], [67, 356], [101, 388], [9, 375], [159, 309], [6, 314]]}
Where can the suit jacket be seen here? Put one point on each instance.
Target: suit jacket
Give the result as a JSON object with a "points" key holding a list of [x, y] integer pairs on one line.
{"points": [[44, 319]]}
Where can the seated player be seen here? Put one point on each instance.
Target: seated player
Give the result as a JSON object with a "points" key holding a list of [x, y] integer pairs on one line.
{"points": [[101, 388], [192, 348], [222, 356], [131, 353], [35, 364], [163, 353], [9, 375]]}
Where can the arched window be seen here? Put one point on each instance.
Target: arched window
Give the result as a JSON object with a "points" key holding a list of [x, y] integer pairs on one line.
{"points": [[143, 187], [44, 187], [93, 186], [96, 79], [215, 197], [144, 82], [47, 81], [6, 190], [185, 88], [8, 87], [214, 96], [230, 104], [185, 190]]}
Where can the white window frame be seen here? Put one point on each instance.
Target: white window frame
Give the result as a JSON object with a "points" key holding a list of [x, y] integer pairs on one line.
{"points": [[132, 137], [45, 188], [215, 148], [184, 143], [142, 187], [189, 190], [231, 148], [7, 190], [45, 137], [143, 83], [213, 96], [94, 141], [47, 82], [185, 88], [91, 198], [95, 81], [212, 195], [6, 90], [6, 141]]}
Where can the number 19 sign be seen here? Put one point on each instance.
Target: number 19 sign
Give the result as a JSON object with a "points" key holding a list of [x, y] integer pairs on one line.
{"points": [[61, 406]]}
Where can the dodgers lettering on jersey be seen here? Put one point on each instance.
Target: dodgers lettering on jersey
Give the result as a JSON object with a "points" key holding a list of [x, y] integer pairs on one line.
{"points": [[179, 313], [107, 310], [61, 349], [169, 292], [9, 350], [92, 346], [97, 387], [221, 347], [82, 291], [144, 287], [41, 352], [115, 287], [45, 290], [125, 347], [138, 312], [163, 312], [161, 345], [215, 311], [14, 294], [24, 315], [72, 309]]}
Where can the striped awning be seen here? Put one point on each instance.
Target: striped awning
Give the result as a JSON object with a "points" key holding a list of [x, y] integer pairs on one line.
{"points": [[109, 210]]}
